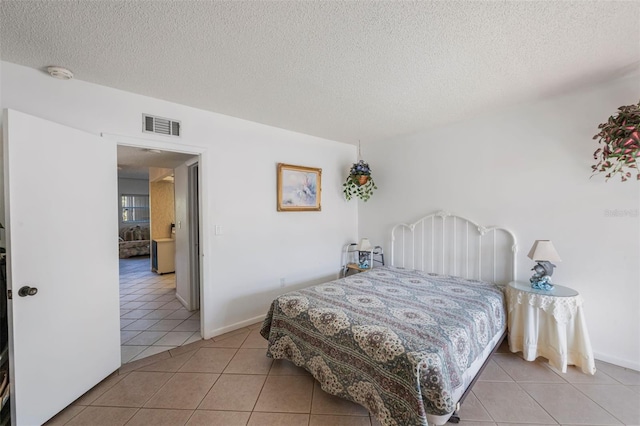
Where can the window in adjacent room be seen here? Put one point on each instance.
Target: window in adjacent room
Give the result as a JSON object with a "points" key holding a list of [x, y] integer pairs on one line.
{"points": [[135, 208]]}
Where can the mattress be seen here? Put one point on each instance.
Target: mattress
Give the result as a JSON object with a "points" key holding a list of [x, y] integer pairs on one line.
{"points": [[403, 343]]}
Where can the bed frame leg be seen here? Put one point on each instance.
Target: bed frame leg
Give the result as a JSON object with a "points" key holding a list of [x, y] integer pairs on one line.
{"points": [[455, 418]]}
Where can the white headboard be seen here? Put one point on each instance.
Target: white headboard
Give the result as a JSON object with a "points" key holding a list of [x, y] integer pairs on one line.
{"points": [[452, 245]]}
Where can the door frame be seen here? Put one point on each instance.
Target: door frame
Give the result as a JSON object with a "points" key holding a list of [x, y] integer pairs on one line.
{"points": [[204, 223], [193, 197]]}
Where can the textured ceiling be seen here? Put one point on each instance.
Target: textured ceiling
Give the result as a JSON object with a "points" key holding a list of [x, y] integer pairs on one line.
{"points": [[342, 70], [134, 162]]}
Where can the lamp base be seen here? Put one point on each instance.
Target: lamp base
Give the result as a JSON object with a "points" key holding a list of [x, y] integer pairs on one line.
{"points": [[541, 283]]}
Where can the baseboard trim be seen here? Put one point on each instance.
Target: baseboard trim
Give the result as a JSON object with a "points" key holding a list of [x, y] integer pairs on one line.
{"points": [[617, 361], [184, 302], [234, 327]]}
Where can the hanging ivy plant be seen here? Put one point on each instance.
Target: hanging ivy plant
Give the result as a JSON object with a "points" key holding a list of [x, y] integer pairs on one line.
{"points": [[359, 183], [620, 136]]}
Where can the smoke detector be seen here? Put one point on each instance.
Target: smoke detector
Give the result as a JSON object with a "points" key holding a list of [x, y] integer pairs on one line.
{"points": [[60, 73]]}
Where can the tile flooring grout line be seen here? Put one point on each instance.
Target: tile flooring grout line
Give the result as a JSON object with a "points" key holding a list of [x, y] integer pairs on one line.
{"points": [[136, 284], [595, 402], [537, 402], [220, 375], [260, 393], [482, 405], [130, 418], [313, 389], [84, 407], [206, 394], [192, 414]]}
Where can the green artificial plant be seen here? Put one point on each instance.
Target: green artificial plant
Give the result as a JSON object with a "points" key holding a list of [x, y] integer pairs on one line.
{"points": [[359, 183]]}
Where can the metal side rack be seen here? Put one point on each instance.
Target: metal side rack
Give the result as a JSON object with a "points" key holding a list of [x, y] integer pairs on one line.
{"points": [[353, 259]]}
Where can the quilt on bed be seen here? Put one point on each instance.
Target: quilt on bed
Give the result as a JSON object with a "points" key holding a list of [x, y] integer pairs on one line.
{"points": [[396, 341]]}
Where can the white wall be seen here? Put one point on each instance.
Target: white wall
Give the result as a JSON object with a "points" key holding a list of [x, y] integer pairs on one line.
{"points": [[133, 186], [157, 173], [528, 169], [260, 246]]}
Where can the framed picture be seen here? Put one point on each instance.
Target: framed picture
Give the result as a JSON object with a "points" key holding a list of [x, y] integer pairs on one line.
{"points": [[298, 188], [364, 259]]}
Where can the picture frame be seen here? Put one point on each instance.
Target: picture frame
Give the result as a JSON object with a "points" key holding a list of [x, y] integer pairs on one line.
{"points": [[365, 259], [299, 188]]}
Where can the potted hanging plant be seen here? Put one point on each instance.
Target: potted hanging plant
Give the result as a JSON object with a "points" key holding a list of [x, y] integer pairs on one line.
{"points": [[620, 137], [359, 183]]}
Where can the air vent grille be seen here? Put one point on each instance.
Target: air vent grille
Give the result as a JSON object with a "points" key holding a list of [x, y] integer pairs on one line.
{"points": [[161, 126]]}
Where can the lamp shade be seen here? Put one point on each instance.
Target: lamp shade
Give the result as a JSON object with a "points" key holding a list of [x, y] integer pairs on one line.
{"points": [[365, 245], [544, 250]]}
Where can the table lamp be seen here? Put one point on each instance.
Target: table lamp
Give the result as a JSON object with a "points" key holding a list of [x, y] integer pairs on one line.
{"points": [[364, 258], [543, 253]]}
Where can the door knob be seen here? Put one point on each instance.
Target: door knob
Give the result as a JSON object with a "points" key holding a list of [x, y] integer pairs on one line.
{"points": [[27, 291]]}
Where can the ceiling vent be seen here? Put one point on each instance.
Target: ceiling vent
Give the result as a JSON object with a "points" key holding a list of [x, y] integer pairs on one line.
{"points": [[160, 126]]}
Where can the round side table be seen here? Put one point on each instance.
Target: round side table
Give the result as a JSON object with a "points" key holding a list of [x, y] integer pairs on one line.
{"points": [[549, 323]]}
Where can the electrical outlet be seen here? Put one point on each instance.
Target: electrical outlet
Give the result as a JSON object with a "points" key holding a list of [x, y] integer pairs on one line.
{"points": [[219, 230], [281, 282]]}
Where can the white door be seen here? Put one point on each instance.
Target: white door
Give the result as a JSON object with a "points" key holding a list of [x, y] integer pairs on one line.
{"points": [[62, 239]]}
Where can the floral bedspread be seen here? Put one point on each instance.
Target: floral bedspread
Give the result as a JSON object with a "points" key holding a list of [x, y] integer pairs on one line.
{"points": [[396, 341]]}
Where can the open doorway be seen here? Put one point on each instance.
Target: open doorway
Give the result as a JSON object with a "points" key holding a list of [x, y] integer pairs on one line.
{"points": [[159, 233]]}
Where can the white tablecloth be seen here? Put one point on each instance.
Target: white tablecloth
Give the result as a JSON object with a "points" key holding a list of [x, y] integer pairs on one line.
{"points": [[549, 326]]}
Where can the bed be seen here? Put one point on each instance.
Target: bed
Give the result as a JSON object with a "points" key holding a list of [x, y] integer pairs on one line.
{"points": [[406, 341]]}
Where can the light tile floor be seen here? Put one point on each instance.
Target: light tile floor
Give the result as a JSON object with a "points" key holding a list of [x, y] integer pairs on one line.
{"points": [[229, 381], [152, 320]]}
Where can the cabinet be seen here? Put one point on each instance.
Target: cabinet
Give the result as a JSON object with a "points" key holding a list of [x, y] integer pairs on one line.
{"points": [[163, 253]]}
